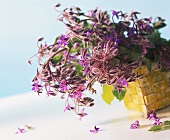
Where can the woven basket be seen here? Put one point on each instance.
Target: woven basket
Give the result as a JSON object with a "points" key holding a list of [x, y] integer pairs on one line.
{"points": [[150, 92]]}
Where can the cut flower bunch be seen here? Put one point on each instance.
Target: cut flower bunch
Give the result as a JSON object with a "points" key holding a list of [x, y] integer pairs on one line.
{"points": [[97, 47]]}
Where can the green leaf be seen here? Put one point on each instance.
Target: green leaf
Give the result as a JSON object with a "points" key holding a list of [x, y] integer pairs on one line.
{"points": [[116, 61], [155, 128], [74, 40], [166, 127], [147, 62], [134, 56], [56, 39], [167, 123], [123, 50], [120, 95], [79, 70], [80, 14], [56, 59], [77, 20], [158, 25], [87, 25], [107, 95], [69, 44], [112, 25], [74, 50]]}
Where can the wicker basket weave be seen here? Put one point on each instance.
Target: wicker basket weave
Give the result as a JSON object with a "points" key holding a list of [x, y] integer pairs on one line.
{"points": [[150, 92]]}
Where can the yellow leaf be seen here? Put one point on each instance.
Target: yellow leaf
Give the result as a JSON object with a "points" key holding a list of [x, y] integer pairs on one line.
{"points": [[107, 94]]}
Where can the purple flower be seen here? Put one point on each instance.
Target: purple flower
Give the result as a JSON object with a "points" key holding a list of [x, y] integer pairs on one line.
{"points": [[86, 70], [82, 114], [135, 125], [151, 115], [76, 45], [95, 130], [63, 85], [122, 82], [69, 56], [36, 87], [131, 31], [88, 33], [91, 14], [92, 24], [82, 62], [63, 40], [68, 107], [22, 130], [157, 122], [114, 13], [78, 93], [116, 43]]}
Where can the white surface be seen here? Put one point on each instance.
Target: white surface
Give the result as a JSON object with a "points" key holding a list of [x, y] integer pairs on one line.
{"points": [[51, 123]]}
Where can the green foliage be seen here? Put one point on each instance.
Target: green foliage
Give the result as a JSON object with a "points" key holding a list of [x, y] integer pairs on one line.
{"points": [[156, 128], [167, 123], [77, 20], [147, 62], [120, 95], [164, 126], [107, 95], [79, 70], [74, 50], [87, 25], [74, 40], [158, 25], [69, 44], [116, 61], [56, 59]]}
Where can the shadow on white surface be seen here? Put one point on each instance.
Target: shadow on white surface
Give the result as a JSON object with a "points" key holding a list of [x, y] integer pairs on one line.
{"points": [[47, 116]]}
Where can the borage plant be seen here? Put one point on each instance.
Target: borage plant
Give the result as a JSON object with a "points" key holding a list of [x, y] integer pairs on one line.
{"points": [[96, 47]]}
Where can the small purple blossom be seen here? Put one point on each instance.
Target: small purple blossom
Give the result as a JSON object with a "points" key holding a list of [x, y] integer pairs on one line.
{"points": [[121, 83], [20, 130], [36, 87], [131, 31], [116, 43], [157, 122], [82, 114], [95, 130], [88, 33], [63, 85], [68, 107], [114, 13], [76, 45], [78, 93], [151, 115], [69, 57], [91, 14], [135, 125], [92, 24], [83, 62], [63, 40]]}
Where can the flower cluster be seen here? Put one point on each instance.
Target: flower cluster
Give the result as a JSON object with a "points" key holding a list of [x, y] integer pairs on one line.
{"points": [[97, 47], [157, 125], [135, 125], [151, 115]]}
